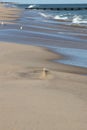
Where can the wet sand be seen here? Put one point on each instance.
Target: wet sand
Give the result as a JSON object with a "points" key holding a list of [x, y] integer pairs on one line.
{"points": [[29, 100]]}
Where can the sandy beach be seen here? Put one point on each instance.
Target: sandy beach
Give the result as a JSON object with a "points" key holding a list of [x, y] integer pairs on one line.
{"points": [[37, 93], [30, 101], [8, 13]]}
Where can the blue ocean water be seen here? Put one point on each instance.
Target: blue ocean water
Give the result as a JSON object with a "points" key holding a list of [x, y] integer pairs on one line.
{"points": [[70, 16], [52, 5], [75, 16]]}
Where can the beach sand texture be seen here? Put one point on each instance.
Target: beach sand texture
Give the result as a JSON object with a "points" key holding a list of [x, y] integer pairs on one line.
{"points": [[9, 13], [28, 101]]}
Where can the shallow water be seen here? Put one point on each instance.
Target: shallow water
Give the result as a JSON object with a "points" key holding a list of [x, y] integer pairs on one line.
{"points": [[76, 57], [68, 40]]}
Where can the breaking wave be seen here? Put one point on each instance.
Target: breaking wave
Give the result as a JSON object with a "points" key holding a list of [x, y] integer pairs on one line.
{"points": [[45, 15], [31, 6], [69, 18], [79, 20], [57, 17], [53, 17]]}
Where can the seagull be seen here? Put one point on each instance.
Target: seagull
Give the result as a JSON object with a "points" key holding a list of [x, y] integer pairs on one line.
{"points": [[2, 23], [21, 27]]}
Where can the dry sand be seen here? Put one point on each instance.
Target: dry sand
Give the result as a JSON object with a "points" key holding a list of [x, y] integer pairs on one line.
{"points": [[9, 14], [31, 102]]}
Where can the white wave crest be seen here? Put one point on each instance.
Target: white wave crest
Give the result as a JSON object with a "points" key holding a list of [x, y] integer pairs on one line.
{"points": [[78, 20], [31, 6], [45, 15], [57, 17], [84, 21]]}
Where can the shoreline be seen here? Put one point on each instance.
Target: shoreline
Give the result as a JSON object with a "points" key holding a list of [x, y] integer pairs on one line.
{"points": [[45, 60], [55, 57], [17, 60]]}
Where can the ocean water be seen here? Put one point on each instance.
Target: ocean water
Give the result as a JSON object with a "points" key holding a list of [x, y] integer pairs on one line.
{"points": [[67, 16], [62, 31]]}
